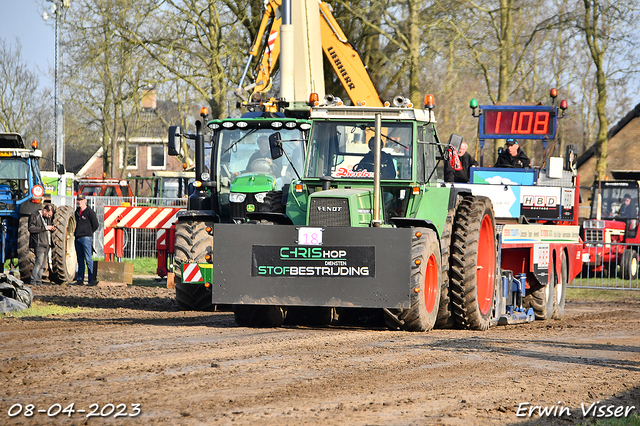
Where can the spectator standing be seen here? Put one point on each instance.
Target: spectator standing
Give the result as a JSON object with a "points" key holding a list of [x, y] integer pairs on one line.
{"points": [[460, 176], [86, 225], [40, 239], [513, 156]]}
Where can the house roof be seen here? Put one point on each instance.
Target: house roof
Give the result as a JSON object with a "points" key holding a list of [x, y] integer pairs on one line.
{"points": [[624, 135]]}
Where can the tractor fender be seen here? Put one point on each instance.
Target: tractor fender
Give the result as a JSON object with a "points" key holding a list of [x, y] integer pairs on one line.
{"points": [[453, 195], [208, 215], [411, 222]]}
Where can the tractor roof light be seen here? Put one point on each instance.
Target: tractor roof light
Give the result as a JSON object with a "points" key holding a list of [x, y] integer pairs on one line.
{"points": [[429, 102], [314, 99], [242, 124], [553, 93], [34, 144], [214, 126], [204, 111], [305, 126], [290, 124], [228, 124], [473, 104], [387, 103], [197, 184], [276, 124], [564, 105]]}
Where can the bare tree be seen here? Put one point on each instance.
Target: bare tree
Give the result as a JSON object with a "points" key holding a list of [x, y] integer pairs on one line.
{"points": [[18, 91], [608, 30]]}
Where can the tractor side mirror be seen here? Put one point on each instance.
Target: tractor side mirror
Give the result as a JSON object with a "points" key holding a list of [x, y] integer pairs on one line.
{"points": [[60, 169], [455, 141], [275, 145], [175, 145]]}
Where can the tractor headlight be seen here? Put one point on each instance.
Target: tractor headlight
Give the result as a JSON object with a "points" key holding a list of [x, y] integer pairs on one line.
{"points": [[260, 196], [237, 197]]}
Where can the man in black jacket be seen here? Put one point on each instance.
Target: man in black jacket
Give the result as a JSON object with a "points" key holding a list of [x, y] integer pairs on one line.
{"points": [[461, 176], [513, 156], [40, 240], [86, 225], [387, 168]]}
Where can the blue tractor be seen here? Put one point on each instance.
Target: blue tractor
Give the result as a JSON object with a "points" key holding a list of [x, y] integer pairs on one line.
{"points": [[22, 193]]}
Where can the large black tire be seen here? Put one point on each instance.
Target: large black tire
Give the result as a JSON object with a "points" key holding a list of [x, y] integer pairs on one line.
{"points": [[560, 291], [541, 298], [445, 316], [63, 251], [474, 263], [629, 265], [259, 315], [426, 277], [273, 203], [26, 258], [192, 243]]}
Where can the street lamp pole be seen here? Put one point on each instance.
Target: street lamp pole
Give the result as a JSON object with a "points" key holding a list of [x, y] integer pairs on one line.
{"points": [[57, 10]]}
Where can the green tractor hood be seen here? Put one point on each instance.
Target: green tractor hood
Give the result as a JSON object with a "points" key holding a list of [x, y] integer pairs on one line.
{"points": [[253, 183]]}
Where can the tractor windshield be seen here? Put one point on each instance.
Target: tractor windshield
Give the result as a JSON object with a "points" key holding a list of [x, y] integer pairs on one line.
{"points": [[14, 172], [243, 151], [345, 150], [619, 200]]}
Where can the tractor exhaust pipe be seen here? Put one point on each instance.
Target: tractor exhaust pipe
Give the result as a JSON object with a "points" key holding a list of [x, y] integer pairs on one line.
{"points": [[376, 174]]}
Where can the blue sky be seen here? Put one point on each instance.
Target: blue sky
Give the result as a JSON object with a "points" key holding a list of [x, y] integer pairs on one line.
{"points": [[22, 19]]}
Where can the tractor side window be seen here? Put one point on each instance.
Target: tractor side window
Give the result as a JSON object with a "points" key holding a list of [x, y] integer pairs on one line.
{"points": [[110, 191]]}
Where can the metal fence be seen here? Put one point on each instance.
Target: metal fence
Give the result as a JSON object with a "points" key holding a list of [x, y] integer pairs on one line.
{"points": [[137, 242], [609, 266]]}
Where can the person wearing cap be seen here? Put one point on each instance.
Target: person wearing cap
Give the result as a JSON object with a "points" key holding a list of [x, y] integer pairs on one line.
{"points": [[86, 225], [628, 208], [513, 156], [387, 168], [460, 176], [40, 240]]}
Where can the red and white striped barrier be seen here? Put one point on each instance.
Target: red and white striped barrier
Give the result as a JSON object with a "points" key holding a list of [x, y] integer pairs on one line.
{"points": [[118, 217]]}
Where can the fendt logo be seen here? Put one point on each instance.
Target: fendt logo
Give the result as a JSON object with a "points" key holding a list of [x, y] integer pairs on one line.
{"points": [[329, 209]]}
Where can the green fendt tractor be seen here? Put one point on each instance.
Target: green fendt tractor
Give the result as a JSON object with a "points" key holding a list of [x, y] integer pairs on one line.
{"points": [[235, 175], [366, 226]]}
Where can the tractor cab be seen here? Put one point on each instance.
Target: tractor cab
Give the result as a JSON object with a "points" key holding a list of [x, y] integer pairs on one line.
{"points": [[250, 179]]}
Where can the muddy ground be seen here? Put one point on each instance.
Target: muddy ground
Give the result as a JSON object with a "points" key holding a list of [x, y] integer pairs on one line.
{"points": [[190, 368]]}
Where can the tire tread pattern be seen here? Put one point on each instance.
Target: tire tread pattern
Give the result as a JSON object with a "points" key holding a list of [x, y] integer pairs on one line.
{"points": [[191, 244], [464, 262], [64, 220], [26, 258]]}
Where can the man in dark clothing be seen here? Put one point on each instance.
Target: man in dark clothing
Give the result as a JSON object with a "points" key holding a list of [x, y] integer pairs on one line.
{"points": [[387, 168], [263, 155], [513, 156], [86, 225], [461, 176], [40, 240], [628, 208]]}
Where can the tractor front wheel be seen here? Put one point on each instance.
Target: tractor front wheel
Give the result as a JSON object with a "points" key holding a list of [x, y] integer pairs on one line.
{"points": [[629, 265], [263, 316], [426, 278], [26, 258], [192, 243]]}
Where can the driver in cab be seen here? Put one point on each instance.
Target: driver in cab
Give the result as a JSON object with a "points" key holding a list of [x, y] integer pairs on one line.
{"points": [[387, 168], [261, 159]]}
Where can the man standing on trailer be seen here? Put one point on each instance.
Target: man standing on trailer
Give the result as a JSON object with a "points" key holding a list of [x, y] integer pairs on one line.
{"points": [[86, 225], [460, 176]]}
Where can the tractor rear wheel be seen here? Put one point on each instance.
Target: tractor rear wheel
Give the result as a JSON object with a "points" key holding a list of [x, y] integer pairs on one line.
{"points": [[192, 243], [426, 277], [541, 298], [26, 258], [445, 317], [473, 270], [63, 252], [263, 316], [561, 289]]}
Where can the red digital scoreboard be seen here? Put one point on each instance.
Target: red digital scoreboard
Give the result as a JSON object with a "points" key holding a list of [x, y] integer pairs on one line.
{"points": [[516, 122]]}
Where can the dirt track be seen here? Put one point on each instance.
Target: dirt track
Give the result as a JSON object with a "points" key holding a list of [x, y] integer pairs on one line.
{"points": [[196, 368]]}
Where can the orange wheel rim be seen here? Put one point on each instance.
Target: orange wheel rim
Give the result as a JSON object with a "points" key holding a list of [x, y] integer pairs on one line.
{"points": [[486, 265], [431, 283]]}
